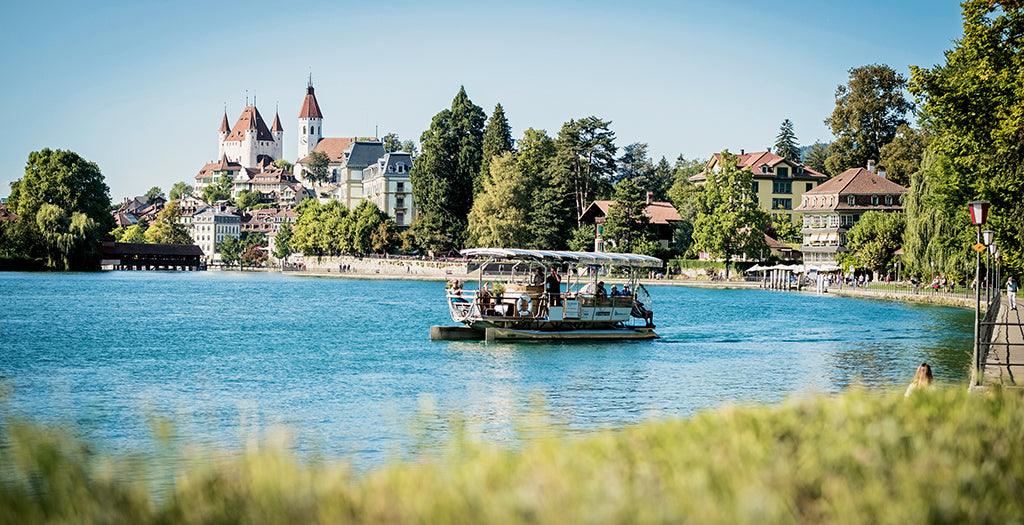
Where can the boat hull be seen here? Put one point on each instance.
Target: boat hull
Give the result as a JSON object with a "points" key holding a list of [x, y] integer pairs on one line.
{"points": [[608, 334]]}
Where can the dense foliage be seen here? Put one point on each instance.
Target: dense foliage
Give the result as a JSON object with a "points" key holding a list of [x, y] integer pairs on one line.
{"points": [[444, 174], [874, 239], [939, 456], [869, 110], [332, 229], [62, 204], [729, 222], [973, 104]]}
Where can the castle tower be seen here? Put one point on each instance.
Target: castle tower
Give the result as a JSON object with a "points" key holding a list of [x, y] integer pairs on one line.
{"points": [[278, 131], [224, 129], [310, 123]]}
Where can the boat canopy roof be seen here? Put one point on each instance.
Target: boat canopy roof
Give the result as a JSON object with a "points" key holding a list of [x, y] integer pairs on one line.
{"points": [[588, 258]]}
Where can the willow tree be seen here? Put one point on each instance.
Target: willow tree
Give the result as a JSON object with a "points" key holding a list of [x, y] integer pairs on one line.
{"points": [[934, 240]]}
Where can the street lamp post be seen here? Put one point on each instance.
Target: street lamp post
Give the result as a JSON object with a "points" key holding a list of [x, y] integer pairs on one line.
{"points": [[986, 238], [979, 214], [993, 283]]}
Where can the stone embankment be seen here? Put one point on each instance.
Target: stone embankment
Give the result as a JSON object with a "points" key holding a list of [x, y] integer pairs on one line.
{"points": [[384, 268]]}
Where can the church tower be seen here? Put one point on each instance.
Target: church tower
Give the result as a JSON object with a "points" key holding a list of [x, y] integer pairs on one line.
{"points": [[310, 129], [278, 131]]}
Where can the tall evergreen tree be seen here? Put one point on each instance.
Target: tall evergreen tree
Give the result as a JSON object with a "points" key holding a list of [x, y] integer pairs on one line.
{"points": [[586, 160], [816, 156], [442, 178], [786, 144], [497, 140], [551, 216]]}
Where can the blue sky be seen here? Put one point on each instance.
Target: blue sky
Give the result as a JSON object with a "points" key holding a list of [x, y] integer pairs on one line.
{"points": [[139, 88]]}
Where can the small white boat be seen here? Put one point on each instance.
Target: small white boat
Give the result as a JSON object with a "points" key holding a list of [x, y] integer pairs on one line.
{"points": [[521, 306]]}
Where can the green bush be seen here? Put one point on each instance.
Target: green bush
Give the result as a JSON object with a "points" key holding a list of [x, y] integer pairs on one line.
{"points": [[941, 456]]}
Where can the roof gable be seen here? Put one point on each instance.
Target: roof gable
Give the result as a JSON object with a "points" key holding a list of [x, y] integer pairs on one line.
{"points": [[250, 120]]}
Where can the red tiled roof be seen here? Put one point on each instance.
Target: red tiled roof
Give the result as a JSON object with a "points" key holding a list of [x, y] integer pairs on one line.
{"points": [[657, 212], [222, 165], [335, 148], [250, 120], [276, 126], [224, 123], [754, 160], [857, 181], [310, 109]]}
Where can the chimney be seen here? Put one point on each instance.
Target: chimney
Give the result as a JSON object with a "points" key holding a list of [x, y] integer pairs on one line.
{"points": [[871, 165], [881, 171], [648, 198], [741, 151]]}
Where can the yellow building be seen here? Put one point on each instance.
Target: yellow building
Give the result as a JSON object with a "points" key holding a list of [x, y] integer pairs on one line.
{"points": [[779, 184]]}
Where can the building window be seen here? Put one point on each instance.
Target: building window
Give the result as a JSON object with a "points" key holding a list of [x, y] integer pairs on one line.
{"points": [[782, 186], [399, 202], [809, 186], [399, 218], [833, 221], [764, 168], [888, 200], [851, 200], [782, 204], [874, 200], [401, 168], [782, 172], [400, 186], [755, 186]]}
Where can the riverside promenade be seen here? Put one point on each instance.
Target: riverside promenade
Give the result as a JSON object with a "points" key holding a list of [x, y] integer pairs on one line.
{"points": [[1004, 361]]}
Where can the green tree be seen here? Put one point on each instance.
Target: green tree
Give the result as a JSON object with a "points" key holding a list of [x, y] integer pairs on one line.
{"points": [[153, 194], [284, 164], [683, 195], [179, 190], [635, 165], [869, 110], [282, 243], [248, 199], [72, 184], [783, 229], [168, 228], [499, 215], [786, 144], [409, 146], [902, 157], [230, 250], [875, 237], [220, 190], [442, 178], [317, 168], [582, 238], [626, 225], [254, 256], [933, 240], [816, 157], [497, 140], [585, 159], [135, 233], [391, 142], [729, 222], [973, 104], [549, 215]]}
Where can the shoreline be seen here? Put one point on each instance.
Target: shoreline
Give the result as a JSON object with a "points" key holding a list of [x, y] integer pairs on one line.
{"points": [[923, 297]]}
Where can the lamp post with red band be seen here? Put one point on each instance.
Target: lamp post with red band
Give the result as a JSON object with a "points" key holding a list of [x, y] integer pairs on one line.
{"points": [[979, 214]]}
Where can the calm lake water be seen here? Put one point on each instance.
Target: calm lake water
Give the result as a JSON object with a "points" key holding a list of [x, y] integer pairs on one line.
{"points": [[347, 365]]}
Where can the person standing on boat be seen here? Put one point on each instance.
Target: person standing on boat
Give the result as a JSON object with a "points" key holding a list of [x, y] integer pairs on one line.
{"points": [[538, 277], [554, 287]]}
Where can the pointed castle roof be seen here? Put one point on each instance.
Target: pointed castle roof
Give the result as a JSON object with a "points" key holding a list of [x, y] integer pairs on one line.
{"points": [[310, 109], [276, 126], [250, 120], [224, 123]]}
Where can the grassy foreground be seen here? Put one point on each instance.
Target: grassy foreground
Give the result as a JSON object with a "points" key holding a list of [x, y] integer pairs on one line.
{"points": [[942, 456]]}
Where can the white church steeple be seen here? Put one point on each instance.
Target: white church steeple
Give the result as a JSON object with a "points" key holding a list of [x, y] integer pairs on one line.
{"points": [[311, 120]]}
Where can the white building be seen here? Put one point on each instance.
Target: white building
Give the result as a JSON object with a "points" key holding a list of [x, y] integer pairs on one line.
{"points": [[250, 141], [386, 184], [213, 225]]}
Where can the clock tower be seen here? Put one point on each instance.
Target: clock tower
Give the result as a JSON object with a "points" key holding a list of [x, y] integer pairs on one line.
{"points": [[310, 129]]}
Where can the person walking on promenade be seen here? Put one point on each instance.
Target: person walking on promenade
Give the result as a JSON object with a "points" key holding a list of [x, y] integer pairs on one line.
{"points": [[1011, 292], [922, 379]]}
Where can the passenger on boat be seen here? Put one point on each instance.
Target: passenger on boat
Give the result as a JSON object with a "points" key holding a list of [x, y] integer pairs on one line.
{"points": [[626, 290], [642, 313], [554, 288], [615, 291], [538, 277], [601, 292]]}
